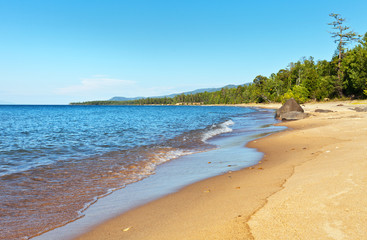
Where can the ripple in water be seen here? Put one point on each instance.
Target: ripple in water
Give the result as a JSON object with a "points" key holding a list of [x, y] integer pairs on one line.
{"points": [[57, 160]]}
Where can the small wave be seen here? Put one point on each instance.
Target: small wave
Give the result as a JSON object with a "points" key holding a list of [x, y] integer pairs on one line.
{"points": [[217, 129], [153, 158], [164, 156]]}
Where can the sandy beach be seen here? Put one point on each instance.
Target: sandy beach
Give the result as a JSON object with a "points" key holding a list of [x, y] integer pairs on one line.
{"points": [[309, 185]]}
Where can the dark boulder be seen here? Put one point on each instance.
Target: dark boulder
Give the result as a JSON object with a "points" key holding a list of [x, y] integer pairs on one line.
{"points": [[289, 106], [323, 111], [360, 109], [293, 115]]}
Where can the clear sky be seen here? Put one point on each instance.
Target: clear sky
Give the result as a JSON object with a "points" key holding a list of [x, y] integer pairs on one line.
{"points": [[60, 51]]}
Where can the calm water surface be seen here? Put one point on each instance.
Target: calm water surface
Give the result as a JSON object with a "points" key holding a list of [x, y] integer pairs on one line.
{"points": [[57, 160]]}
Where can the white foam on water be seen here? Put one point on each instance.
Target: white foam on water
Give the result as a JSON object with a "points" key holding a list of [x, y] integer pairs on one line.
{"points": [[218, 129], [161, 157]]}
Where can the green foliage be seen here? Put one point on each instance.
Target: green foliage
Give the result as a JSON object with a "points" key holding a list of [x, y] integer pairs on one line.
{"points": [[299, 93], [325, 88], [354, 66]]}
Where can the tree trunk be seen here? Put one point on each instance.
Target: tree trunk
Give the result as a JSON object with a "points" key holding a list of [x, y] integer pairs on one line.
{"points": [[339, 84]]}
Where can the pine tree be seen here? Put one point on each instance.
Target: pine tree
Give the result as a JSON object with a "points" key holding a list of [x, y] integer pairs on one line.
{"points": [[342, 37]]}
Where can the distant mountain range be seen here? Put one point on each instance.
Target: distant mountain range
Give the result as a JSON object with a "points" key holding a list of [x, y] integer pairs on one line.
{"points": [[175, 94]]}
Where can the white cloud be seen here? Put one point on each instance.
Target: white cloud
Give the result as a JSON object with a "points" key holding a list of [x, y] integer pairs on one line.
{"points": [[95, 83]]}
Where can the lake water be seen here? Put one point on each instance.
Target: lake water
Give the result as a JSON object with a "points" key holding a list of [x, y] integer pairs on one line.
{"points": [[55, 161]]}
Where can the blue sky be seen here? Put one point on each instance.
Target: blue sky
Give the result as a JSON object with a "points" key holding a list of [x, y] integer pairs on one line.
{"points": [[56, 52]]}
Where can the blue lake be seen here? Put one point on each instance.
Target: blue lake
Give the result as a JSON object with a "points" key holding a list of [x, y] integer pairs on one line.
{"points": [[57, 160]]}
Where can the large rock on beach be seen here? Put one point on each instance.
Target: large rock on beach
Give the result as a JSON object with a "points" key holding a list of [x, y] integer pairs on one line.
{"points": [[323, 111], [290, 110], [360, 109], [293, 115]]}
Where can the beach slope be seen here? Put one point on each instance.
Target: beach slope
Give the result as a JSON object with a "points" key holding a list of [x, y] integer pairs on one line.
{"points": [[309, 185]]}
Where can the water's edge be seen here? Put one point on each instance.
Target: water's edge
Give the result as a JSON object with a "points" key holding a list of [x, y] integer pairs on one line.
{"points": [[55, 160], [231, 150]]}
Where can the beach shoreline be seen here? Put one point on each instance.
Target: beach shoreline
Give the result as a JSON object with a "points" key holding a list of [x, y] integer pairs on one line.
{"points": [[237, 204], [228, 155]]}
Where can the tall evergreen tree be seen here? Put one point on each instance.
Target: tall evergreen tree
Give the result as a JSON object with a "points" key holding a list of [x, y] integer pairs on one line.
{"points": [[342, 37]]}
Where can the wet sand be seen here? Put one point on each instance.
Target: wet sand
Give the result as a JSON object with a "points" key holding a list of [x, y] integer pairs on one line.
{"points": [[309, 185]]}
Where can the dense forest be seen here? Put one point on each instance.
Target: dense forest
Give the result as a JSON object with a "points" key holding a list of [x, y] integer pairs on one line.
{"points": [[344, 76]]}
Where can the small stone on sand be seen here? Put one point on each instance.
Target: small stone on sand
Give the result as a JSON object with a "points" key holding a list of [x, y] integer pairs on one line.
{"points": [[126, 229]]}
